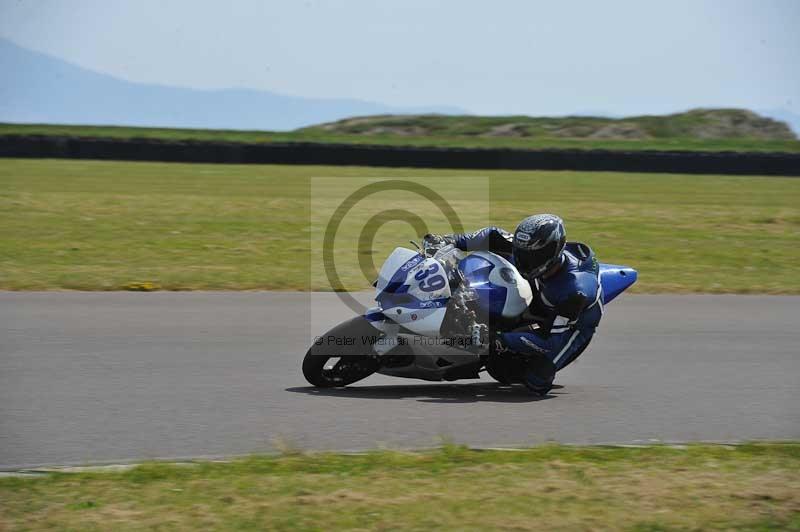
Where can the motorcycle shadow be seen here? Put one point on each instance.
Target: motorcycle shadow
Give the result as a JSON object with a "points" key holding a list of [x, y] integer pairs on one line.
{"points": [[434, 393]]}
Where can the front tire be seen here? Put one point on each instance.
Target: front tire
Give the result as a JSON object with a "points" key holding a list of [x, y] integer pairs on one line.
{"points": [[352, 344]]}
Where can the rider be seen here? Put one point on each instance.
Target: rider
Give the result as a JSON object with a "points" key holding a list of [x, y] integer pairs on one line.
{"points": [[567, 304]]}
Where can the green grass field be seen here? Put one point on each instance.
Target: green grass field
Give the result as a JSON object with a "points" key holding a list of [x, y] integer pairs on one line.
{"points": [[95, 225], [701, 487], [447, 139]]}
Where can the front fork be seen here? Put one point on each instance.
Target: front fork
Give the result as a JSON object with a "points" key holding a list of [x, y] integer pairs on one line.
{"points": [[390, 331]]}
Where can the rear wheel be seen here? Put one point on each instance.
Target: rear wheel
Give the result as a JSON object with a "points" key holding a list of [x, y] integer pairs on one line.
{"points": [[496, 372], [342, 356]]}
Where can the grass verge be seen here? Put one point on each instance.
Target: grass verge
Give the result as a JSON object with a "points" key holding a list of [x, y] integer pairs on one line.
{"points": [[98, 225], [700, 487]]}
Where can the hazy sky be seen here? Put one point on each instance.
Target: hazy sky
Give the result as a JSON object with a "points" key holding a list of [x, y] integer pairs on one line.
{"points": [[497, 57]]}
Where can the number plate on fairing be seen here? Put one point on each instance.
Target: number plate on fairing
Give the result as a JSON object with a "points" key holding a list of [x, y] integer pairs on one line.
{"points": [[413, 291], [428, 281]]}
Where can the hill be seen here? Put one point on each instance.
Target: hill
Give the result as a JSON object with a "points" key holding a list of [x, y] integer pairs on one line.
{"points": [[697, 130], [37, 88], [697, 124]]}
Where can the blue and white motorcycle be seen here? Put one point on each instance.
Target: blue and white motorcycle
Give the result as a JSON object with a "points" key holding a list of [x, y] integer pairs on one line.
{"points": [[435, 308]]}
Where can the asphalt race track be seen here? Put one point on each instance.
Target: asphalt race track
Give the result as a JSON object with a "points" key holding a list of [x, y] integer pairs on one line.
{"points": [[106, 377]]}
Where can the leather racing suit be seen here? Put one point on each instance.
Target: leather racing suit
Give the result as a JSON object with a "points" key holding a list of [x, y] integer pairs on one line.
{"points": [[567, 307]]}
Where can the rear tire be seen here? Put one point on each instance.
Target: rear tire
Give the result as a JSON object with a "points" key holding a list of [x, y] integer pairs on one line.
{"points": [[356, 361], [495, 372]]}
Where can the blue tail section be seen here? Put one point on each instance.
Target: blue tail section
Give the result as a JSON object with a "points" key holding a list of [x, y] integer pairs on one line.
{"points": [[615, 280]]}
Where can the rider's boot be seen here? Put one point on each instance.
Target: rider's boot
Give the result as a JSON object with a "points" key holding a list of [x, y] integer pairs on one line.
{"points": [[539, 374]]}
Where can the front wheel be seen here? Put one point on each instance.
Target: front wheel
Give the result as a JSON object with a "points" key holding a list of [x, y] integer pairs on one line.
{"points": [[342, 356]]}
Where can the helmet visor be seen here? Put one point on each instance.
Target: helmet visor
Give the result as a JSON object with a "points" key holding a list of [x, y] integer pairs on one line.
{"points": [[534, 262]]}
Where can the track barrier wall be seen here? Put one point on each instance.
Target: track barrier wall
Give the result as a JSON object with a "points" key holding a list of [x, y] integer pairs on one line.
{"points": [[684, 162]]}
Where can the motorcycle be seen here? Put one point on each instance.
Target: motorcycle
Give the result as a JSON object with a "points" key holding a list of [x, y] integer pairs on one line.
{"points": [[434, 309]]}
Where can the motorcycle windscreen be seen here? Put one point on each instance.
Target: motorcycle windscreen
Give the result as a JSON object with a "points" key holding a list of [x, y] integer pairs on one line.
{"points": [[394, 271], [615, 279]]}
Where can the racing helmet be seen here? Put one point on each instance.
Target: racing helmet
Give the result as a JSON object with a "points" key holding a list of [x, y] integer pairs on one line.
{"points": [[538, 244]]}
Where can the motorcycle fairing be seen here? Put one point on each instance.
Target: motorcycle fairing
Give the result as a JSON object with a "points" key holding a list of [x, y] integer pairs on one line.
{"points": [[414, 291]]}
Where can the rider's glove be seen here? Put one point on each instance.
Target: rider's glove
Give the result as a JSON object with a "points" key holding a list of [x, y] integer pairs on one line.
{"points": [[433, 240]]}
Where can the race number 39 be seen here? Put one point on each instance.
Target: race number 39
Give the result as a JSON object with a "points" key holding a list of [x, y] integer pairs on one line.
{"points": [[432, 283]]}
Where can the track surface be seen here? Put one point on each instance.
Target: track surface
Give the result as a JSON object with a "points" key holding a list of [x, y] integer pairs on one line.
{"points": [[99, 377]]}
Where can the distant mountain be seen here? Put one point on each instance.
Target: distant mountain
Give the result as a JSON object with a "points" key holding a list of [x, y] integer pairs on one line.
{"points": [[38, 88]]}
